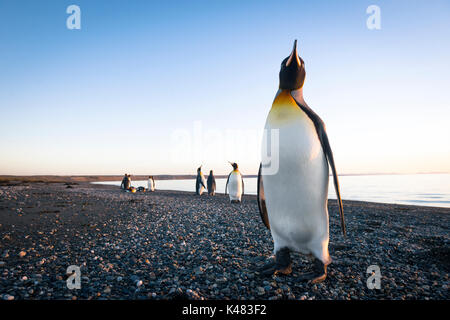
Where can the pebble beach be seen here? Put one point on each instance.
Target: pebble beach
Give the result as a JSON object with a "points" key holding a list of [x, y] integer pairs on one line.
{"points": [[176, 245]]}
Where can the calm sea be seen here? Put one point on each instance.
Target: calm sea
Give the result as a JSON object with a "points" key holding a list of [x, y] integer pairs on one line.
{"points": [[417, 189]]}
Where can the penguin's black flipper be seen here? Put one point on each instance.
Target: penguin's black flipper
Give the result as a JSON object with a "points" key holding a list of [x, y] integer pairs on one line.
{"points": [[242, 179], [321, 132], [262, 200], [226, 186]]}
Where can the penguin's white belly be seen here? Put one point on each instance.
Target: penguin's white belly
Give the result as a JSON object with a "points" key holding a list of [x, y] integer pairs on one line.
{"points": [[201, 188], [296, 196], [235, 186], [151, 185]]}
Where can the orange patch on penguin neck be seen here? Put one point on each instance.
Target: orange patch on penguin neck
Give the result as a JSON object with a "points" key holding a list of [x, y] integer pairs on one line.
{"points": [[284, 108], [284, 98]]}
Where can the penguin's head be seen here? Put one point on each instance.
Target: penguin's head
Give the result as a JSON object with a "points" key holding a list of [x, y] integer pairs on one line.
{"points": [[234, 165], [210, 172], [199, 169], [292, 72]]}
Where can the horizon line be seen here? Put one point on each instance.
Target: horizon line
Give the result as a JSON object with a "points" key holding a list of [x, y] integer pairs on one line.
{"points": [[190, 174]]}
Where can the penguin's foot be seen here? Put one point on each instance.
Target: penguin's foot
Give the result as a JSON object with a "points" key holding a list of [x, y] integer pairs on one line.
{"points": [[318, 274], [268, 269], [283, 261], [312, 277], [285, 271], [281, 265]]}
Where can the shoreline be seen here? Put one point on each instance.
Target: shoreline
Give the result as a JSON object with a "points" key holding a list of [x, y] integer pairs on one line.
{"points": [[175, 245], [10, 180], [386, 189], [14, 179]]}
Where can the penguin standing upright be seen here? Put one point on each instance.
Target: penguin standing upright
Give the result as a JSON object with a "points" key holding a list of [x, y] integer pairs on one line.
{"points": [[126, 182], [200, 184], [293, 200], [235, 184], [211, 182], [151, 183]]}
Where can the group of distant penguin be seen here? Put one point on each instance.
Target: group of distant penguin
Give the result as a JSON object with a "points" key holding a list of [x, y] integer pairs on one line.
{"points": [[234, 185], [126, 184], [293, 200]]}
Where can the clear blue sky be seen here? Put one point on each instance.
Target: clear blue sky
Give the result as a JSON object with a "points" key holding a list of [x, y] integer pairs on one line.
{"points": [[110, 98]]}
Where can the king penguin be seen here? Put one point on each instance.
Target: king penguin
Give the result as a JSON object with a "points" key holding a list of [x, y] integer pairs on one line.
{"points": [[200, 184], [126, 182], [211, 182], [293, 199], [235, 184], [151, 183]]}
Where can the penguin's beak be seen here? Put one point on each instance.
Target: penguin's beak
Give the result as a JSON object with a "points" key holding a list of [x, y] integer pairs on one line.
{"points": [[294, 56]]}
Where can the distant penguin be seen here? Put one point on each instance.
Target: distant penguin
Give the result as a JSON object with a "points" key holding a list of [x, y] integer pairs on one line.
{"points": [[151, 184], [211, 184], [235, 184], [293, 199], [122, 185], [126, 182], [200, 183]]}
